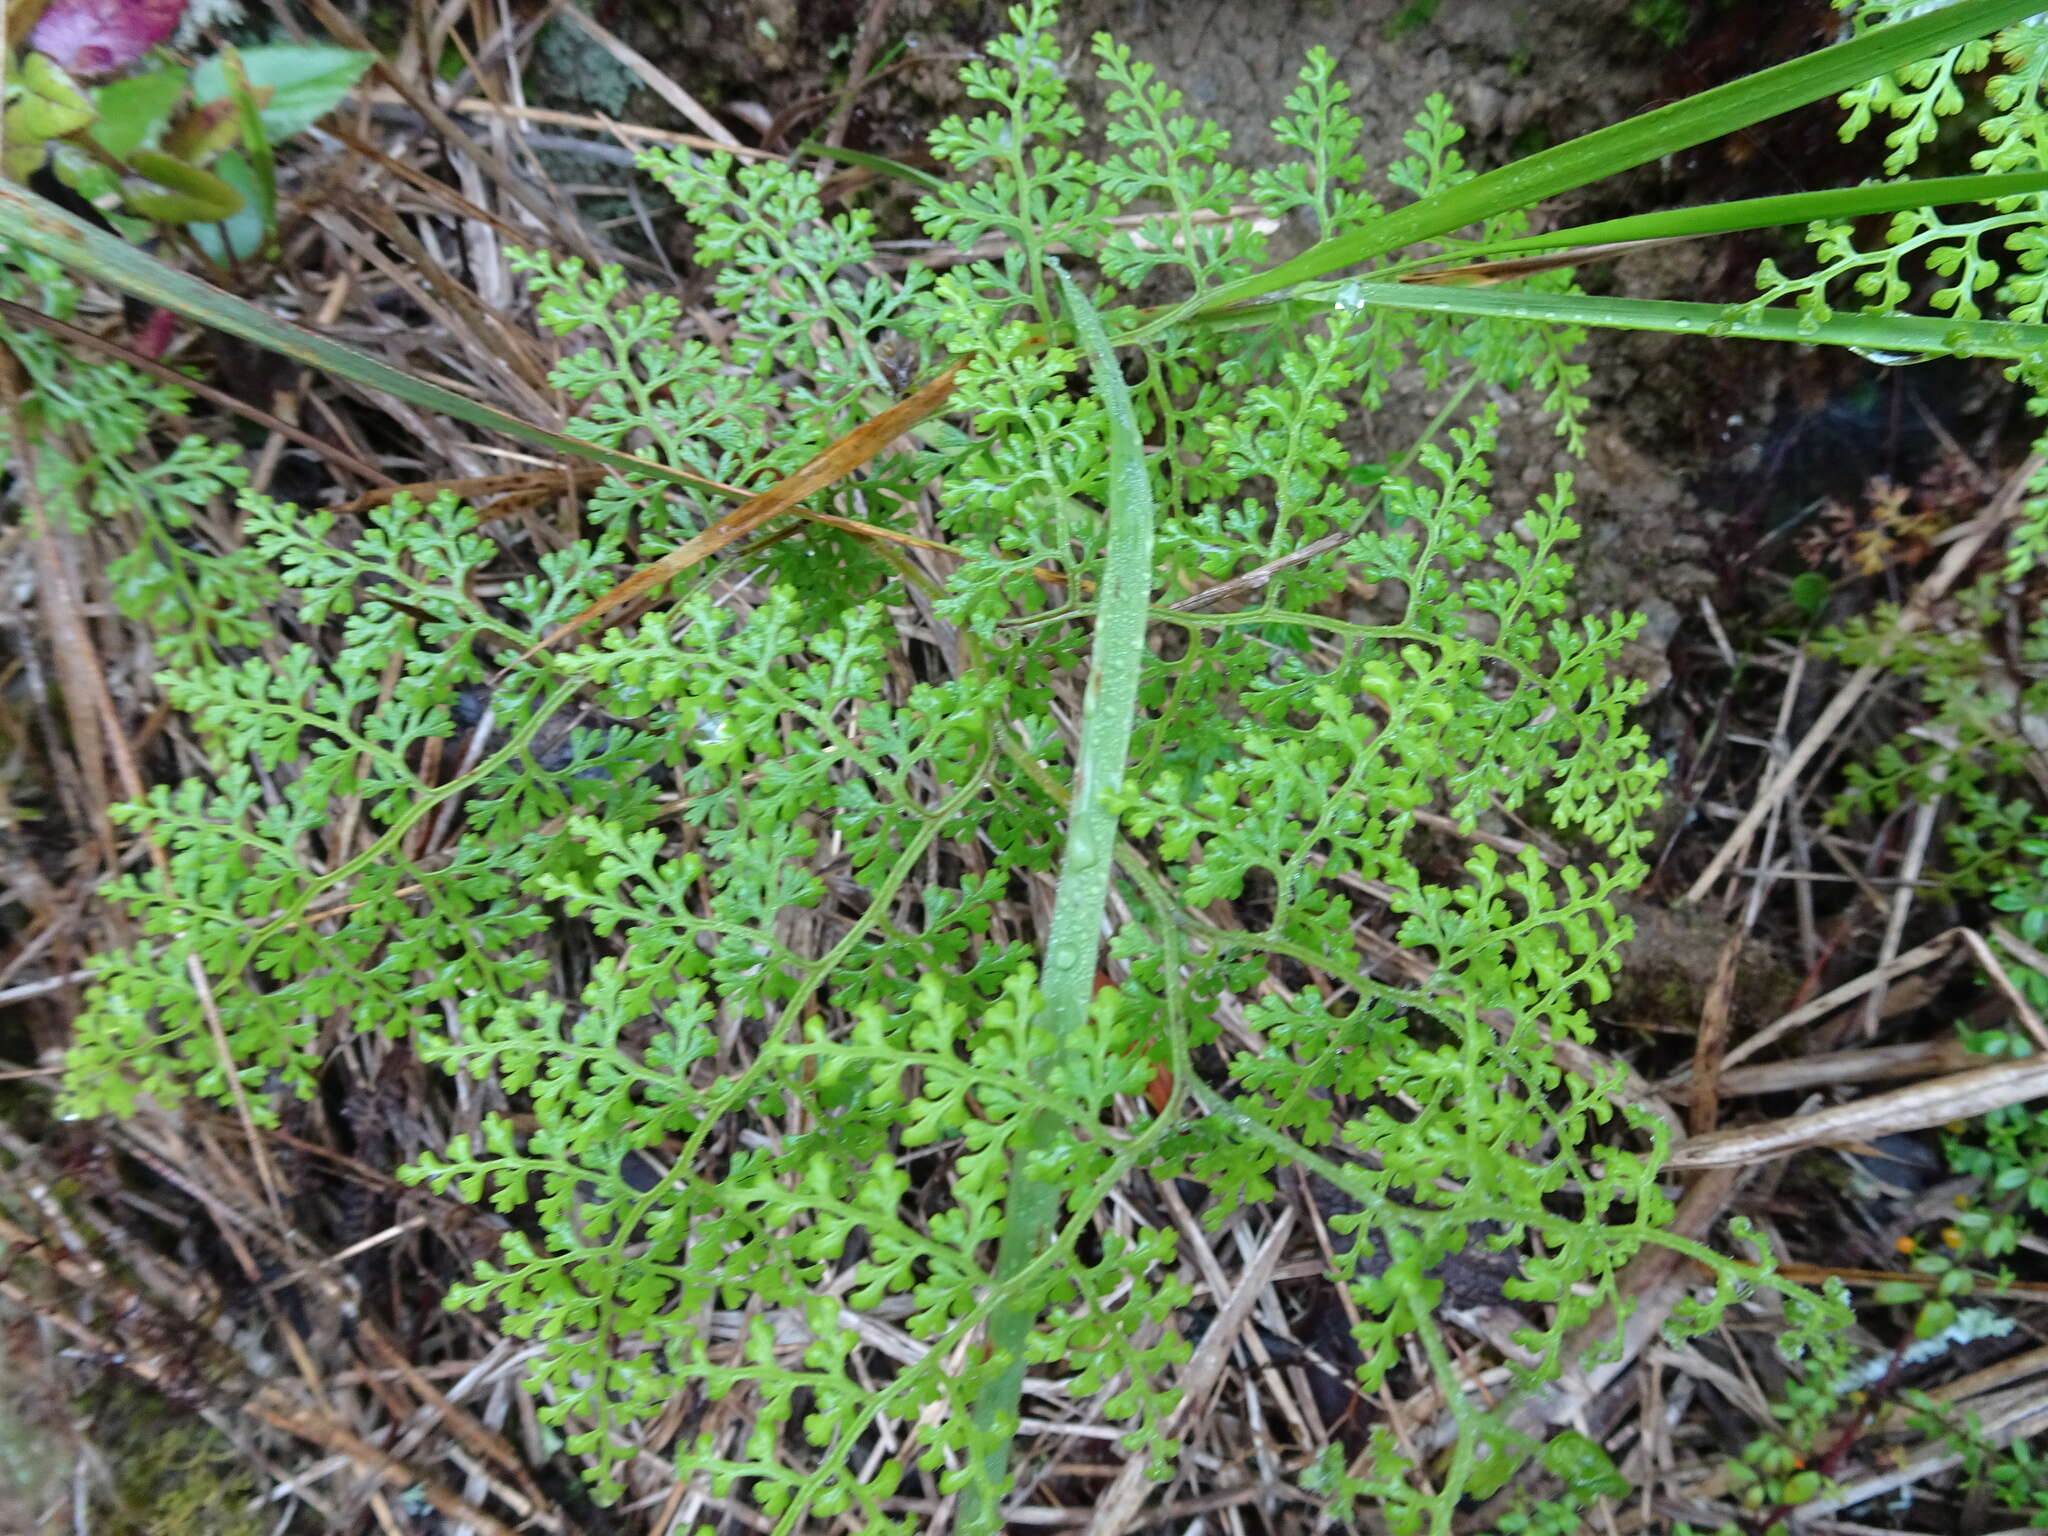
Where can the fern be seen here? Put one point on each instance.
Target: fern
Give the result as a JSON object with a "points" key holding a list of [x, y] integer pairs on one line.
{"points": [[89, 427], [1973, 747], [764, 1152], [1996, 258]]}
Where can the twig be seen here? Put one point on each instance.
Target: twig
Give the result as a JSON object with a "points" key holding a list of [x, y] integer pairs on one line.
{"points": [[1925, 954], [1925, 814], [565, 230], [2030, 1019], [1766, 861], [2028, 1415], [94, 705], [857, 70], [1958, 1096], [386, 100], [1874, 1063], [61, 604], [1870, 1279], [1712, 1042]]}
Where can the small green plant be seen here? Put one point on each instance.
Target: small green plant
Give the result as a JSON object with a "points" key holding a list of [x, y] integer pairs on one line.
{"points": [[90, 441], [1970, 748], [1669, 21], [118, 1456], [192, 147], [1832, 1393], [177, 1478], [1998, 256], [2016, 1473], [1412, 17], [1588, 1474], [1981, 675], [730, 894]]}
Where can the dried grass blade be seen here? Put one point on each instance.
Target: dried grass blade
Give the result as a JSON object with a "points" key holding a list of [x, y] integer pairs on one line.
{"points": [[567, 232], [479, 489], [839, 460]]}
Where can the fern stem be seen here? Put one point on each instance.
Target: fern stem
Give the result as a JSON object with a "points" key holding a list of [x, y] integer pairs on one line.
{"points": [[1067, 981]]}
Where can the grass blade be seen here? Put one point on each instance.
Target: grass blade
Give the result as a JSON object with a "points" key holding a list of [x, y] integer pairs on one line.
{"points": [[46, 229], [1788, 208], [885, 169], [1875, 333], [1609, 151], [1067, 981]]}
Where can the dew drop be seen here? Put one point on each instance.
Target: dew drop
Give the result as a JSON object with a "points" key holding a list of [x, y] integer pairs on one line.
{"points": [[1885, 359]]}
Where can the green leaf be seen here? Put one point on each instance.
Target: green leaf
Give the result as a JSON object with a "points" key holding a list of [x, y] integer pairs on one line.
{"points": [[240, 236], [249, 100], [1935, 1318], [893, 170], [306, 83], [48, 105], [202, 131], [190, 194], [1799, 1487], [131, 109], [1584, 1466], [1809, 593], [1123, 594]]}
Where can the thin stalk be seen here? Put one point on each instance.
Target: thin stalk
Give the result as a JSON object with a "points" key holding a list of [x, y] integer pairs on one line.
{"points": [[1904, 334], [1067, 982]]}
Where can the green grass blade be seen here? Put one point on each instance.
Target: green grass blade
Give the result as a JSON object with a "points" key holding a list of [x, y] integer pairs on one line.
{"points": [[1787, 208], [1067, 981], [256, 147], [1609, 151], [42, 227], [860, 159], [1893, 334]]}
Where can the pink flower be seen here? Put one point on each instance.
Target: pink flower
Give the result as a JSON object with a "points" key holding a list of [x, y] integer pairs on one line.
{"points": [[91, 38]]}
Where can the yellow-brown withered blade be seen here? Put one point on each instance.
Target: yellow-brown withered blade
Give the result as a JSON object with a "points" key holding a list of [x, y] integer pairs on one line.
{"points": [[839, 460], [1481, 274]]}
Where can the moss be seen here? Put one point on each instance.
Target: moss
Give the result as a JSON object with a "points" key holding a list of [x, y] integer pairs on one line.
{"points": [[179, 1478], [150, 1468], [1412, 17], [574, 70]]}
